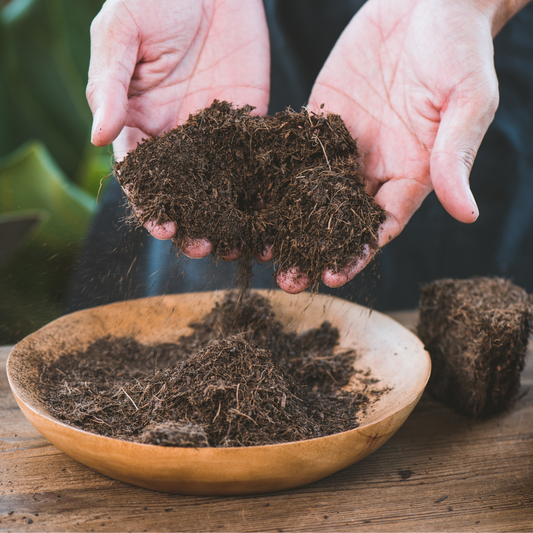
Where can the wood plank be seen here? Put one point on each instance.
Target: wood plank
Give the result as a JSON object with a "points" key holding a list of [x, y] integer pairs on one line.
{"points": [[440, 472]]}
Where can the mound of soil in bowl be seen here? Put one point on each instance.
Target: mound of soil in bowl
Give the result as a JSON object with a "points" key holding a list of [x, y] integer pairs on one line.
{"points": [[239, 379], [289, 181], [476, 332]]}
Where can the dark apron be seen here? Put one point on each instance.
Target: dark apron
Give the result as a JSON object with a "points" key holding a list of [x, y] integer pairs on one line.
{"points": [[119, 263]]}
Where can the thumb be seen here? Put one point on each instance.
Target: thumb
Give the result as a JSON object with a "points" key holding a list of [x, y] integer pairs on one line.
{"points": [[114, 49], [462, 128]]}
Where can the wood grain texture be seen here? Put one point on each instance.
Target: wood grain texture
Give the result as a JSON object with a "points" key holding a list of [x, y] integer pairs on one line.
{"points": [[440, 472]]}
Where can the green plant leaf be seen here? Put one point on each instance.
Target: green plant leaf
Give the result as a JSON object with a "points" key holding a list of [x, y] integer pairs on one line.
{"points": [[16, 228], [33, 280], [44, 59], [29, 179], [94, 170]]}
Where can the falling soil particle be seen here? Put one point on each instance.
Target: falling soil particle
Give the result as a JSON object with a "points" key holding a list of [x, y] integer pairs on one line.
{"points": [[246, 182], [476, 332], [239, 379]]}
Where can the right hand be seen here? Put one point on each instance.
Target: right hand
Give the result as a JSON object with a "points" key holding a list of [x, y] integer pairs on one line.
{"points": [[415, 83], [153, 62]]}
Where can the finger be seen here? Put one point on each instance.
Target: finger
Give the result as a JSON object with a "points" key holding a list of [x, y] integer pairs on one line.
{"points": [[197, 248], [163, 232], [266, 255], [462, 128], [126, 141], [114, 47], [293, 281], [337, 279], [400, 198]]}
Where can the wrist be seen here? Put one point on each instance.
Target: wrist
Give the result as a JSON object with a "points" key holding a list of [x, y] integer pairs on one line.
{"points": [[500, 12]]}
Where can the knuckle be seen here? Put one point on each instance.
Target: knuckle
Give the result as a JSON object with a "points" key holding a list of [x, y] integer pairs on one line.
{"points": [[492, 99], [466, 156], [492, 95], [89, 90], [494, 102], [96, 25]]}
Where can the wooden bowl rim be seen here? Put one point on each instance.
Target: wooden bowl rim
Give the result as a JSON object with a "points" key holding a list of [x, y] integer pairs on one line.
{"points": [[14, 353]]}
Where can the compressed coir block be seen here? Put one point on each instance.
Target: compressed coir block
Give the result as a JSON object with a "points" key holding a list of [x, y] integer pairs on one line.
{"points": [[476, 332]]}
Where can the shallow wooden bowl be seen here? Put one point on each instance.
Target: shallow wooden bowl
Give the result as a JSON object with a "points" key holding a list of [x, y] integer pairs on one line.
{"points": [[392, 354]]}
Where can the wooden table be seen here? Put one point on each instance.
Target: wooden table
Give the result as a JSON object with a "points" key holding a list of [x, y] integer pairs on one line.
{"points": [[440, 472]]}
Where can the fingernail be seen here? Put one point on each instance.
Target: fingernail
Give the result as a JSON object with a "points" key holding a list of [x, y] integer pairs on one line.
{"points": [[96, 122], [475, 209]]}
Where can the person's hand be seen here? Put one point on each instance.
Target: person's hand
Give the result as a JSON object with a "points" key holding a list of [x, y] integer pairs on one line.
{"points": [[415, 83], [153, 62]]}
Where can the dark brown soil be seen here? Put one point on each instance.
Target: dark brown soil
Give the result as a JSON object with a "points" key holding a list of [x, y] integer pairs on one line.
{"points": [[476, 332], [243, 181], [238, 380]]}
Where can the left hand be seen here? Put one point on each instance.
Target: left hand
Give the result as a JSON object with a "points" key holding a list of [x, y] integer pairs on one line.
{"points": [[153, 62]]}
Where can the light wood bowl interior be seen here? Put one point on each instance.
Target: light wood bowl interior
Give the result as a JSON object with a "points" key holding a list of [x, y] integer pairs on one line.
{"points": [[393, 355]]}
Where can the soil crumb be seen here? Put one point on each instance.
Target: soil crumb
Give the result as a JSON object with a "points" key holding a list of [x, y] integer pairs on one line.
{"points": [[242, 181], [239, 379], [476, 332]]}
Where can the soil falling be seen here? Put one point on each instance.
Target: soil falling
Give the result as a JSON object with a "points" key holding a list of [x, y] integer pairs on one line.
{"points": [[239, 379], [289, 182], [246, 182]]}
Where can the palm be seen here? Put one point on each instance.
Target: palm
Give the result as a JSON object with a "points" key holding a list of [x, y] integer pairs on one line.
{"points": [[394, 75], [178, 56]]}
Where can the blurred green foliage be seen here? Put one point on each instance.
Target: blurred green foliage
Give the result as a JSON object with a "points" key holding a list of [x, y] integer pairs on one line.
{"points": [[47, 163], [32, 281]]}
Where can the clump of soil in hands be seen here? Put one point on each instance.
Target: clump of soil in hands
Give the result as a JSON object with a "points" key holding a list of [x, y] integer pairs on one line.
{"points": [[246, 182], [476, 332], [238, 379]]}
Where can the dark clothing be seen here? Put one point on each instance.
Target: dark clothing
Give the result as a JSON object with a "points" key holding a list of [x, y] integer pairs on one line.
{"points": [[118, 263]]}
